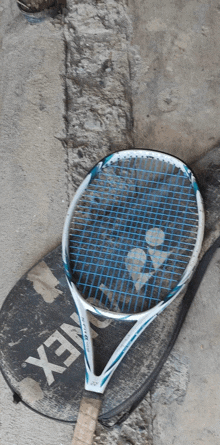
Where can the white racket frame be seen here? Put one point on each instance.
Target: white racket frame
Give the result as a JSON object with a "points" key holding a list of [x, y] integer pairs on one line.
{"points": [[98, 383]]}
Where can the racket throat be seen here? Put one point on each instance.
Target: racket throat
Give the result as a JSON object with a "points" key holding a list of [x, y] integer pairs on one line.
{"points": [[98, 383], [94, 383]]}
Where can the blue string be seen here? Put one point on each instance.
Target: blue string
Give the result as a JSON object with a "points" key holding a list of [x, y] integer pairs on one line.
{"points": [[121, 205]]}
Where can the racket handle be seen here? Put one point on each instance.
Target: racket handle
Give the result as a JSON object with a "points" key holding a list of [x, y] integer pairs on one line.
{"points": [[87, 419]]}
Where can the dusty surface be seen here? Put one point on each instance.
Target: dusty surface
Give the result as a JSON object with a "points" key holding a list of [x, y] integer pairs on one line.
{"points": [[44, 282], [98, 88], [35, 5], [109, 76], [176, 79], [194, 419], [33, 179]]}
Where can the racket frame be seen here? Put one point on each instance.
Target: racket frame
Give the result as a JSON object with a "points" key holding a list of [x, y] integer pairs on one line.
{"points": [[93, 382]]}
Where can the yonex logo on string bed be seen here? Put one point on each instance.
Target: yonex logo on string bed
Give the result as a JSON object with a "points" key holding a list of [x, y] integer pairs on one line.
{"points": [[136, 258]]}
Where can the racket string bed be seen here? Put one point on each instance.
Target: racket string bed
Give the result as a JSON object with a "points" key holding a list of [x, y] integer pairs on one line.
{"points": [[114, 221]]}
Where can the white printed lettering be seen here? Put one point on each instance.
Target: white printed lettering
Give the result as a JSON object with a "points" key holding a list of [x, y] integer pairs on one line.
{"points": [[43, 363], [93, 320], [65, 345], [74, 332]]}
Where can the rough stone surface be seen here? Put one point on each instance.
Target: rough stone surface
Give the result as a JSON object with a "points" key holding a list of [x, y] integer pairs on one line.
{"points": [[173, 381], [33, 164], [99, 102], [176, 78], [137, 429], [21, 426], [194, 419], [32, 181], [207, 170], [35, 5]]}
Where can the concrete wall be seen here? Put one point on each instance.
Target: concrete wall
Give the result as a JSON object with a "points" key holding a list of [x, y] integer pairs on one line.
{"points": [[176, 84]]}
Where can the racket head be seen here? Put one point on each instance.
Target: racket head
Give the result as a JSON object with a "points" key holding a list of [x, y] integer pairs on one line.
{"points": [[133, 233]]}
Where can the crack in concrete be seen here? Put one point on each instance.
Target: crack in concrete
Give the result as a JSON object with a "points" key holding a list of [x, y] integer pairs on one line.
{"points": [[151, 419], [66, 122], [98, 104]]}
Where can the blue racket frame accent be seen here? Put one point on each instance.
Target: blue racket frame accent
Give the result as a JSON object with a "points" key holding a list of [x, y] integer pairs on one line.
{"points": [[143, 319]]}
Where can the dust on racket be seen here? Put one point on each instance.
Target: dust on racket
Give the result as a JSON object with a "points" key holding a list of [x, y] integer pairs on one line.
{"points": [[111, 227]]}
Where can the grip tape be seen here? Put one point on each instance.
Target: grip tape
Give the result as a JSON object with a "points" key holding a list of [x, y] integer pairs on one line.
{"points": [[86, 422]]}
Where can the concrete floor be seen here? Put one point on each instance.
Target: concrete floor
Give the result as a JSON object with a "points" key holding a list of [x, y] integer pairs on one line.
{"points": [[114, 75]]}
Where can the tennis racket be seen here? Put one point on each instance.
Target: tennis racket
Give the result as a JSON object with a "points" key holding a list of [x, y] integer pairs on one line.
{"points": [[131, 241]]}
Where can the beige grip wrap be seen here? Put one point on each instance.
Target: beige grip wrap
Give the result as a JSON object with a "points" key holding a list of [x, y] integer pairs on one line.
{"points": [[86, 422]]}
